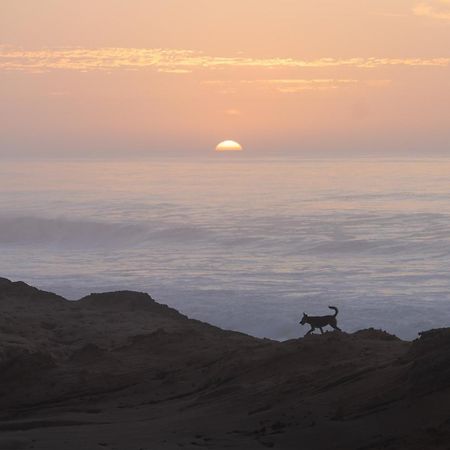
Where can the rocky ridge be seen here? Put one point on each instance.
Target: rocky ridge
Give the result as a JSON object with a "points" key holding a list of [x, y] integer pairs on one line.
{"points": [[120, 371]]}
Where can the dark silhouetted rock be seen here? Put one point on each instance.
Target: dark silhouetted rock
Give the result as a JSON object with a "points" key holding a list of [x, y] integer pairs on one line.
{"points": [[120, 370]]}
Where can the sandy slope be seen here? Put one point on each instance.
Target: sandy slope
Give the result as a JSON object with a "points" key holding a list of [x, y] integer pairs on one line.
{"points": [[120, 371]]}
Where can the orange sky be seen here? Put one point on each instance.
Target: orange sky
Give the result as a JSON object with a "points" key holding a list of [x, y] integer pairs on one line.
{"points": [[279, 76]]}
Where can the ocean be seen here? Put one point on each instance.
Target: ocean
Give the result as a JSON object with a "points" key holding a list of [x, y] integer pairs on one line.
{"points": [[244, 243]]}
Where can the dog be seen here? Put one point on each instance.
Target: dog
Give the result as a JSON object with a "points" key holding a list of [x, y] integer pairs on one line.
{"points": [[320, 321]]}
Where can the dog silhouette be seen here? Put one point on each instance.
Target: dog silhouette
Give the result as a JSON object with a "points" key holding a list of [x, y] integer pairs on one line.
{"points": [[320, 321]]}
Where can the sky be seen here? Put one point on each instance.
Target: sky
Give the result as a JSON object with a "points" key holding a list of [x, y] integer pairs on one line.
{"points": [[298, 77]]}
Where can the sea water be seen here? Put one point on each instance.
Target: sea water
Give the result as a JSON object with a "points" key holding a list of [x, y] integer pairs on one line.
{"points": [[244, 243]]}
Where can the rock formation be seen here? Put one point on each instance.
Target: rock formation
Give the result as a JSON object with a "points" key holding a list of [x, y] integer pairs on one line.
{"points": [[120, 371]]}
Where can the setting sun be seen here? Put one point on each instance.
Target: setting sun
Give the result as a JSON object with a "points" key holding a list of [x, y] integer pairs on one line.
{"points": [[229, 146]]}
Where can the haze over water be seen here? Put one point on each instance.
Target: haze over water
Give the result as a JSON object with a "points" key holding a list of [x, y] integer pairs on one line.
{"points": [[243, 243]]}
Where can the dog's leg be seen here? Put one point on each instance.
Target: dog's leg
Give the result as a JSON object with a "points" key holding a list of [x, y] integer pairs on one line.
{"points": [[336, 327], [321, 330], [310, 331]]}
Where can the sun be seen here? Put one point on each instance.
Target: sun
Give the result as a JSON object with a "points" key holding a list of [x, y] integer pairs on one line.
{"points": [[229, 146]]}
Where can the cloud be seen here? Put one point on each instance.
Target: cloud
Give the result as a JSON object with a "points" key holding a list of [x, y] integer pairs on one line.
{"points": [[299, 85], [389, 14], [438, 9], [178, 61], [295, 85]]}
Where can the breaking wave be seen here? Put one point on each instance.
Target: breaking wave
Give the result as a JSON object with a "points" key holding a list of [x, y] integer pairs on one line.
{"points": [[60, 232]]}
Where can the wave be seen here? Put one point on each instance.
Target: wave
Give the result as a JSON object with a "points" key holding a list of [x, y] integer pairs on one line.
{"points": [[425, 236], [60, 232]]}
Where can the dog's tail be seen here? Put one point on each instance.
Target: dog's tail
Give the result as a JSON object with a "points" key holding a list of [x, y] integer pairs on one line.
{"points": [[335, 310]]}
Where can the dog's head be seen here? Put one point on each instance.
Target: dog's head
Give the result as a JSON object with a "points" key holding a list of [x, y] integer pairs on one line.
{"points": [[304, 319]]}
